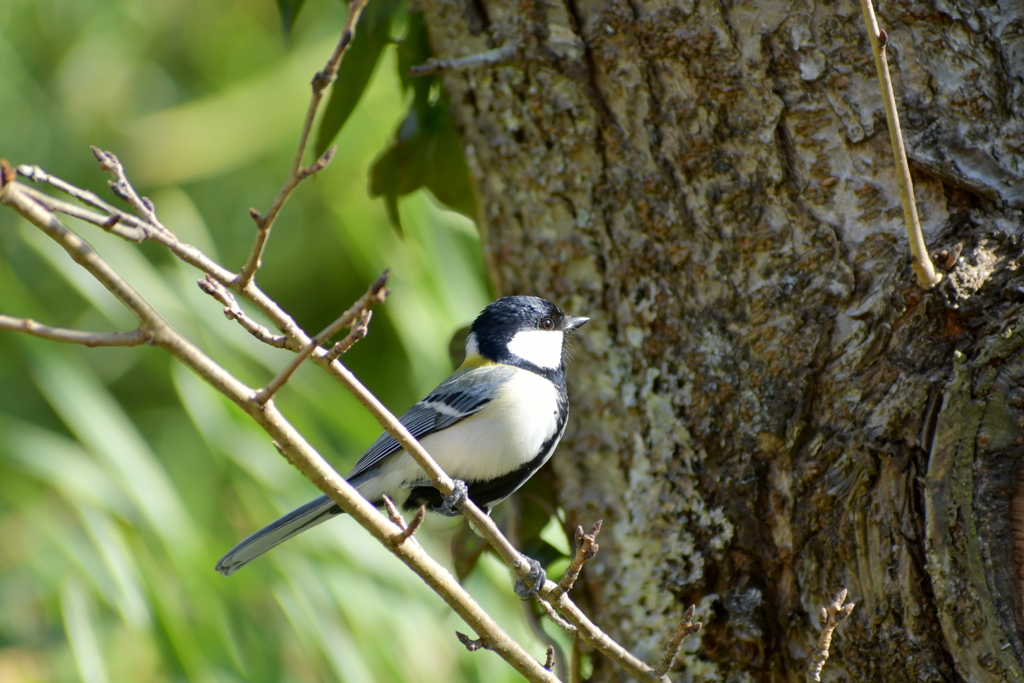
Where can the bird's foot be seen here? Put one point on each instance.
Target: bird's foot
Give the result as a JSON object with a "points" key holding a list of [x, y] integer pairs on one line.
{"points": [[537, 575], [451, 506]]}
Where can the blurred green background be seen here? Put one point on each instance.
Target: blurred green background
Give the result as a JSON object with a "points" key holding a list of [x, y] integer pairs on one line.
{"points": [[123, 478]]}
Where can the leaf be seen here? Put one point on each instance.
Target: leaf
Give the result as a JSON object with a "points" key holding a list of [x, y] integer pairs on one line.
{"points": [[427, 152], [289, 10], [413, 51], [427, 149], [373, 33]]}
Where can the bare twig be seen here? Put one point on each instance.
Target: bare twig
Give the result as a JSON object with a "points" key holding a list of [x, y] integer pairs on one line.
{"points": [[534, 621], [296, 173], [586, 549], [110, 222], [355, 333], [290, 443], [551, 614], [412, 527], [232, 311], [62, 334], [925, 271], [830, 617], [471, 645], [37, 174], [686, 628], [123, 189], [395, 516], [499, 55], [374, 295], [549, 659]]}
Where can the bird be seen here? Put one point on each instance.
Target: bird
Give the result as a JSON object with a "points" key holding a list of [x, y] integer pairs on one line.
{"points": [[490, 426]]}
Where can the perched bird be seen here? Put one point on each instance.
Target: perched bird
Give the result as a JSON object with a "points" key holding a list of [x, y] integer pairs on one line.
{"points": [[491, 425]]}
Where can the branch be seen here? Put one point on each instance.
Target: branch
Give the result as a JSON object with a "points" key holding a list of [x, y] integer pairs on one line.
{"points": [[374, 295], [407, 529], [355, 333], [62, 334], [926, 275], [297, 173], [110, 222], [586, 549], [830, 618], [232, 311], [123, 189], [686, 628], [498, 56]]}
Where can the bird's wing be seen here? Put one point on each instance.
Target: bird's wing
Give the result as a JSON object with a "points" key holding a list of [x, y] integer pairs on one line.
{"points": [[461, 395]]}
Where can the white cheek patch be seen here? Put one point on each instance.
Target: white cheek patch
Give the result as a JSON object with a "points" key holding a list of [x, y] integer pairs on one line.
{"points": [[472, 346], [543, 348]]}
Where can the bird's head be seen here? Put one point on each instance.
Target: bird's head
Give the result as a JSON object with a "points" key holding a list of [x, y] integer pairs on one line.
{"points": [[521, 329]]}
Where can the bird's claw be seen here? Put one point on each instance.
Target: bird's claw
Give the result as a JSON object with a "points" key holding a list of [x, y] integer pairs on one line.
{"points": [[451, 506], [537, 575]]}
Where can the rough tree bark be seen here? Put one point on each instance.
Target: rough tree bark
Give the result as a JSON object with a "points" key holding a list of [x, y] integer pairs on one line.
{"points": [[766, 406]]}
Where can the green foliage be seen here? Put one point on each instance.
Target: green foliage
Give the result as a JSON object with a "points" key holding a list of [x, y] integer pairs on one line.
{"points": [[123, 477], [426, 151], [289, 10], [373, 33]]}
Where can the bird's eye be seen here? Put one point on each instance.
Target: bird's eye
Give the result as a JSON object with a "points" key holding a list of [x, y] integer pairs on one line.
{"points": [[547, 324]]}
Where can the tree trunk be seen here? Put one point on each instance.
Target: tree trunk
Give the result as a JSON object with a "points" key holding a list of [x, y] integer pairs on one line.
{"points": [[766, 406]]}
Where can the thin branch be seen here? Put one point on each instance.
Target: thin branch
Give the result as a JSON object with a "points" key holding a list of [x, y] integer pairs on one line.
{"points": [[586, 549], [185, 252], [471, 644], [686, 628], [232, 311], [296, 173], [374, 295], [549, 659], [407, 530], [925, 271], [112, 223], [37, 174], [63, 334], [13, 194], [551, 614], [496, 57], [123, 189], [830, 617], [533, 620], [355, 333]]}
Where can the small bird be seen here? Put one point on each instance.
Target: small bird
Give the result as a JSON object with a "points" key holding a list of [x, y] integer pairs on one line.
{"points": [[490, 426]]}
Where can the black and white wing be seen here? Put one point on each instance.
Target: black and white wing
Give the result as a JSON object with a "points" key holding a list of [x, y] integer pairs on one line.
{"points": [[461, 395]]}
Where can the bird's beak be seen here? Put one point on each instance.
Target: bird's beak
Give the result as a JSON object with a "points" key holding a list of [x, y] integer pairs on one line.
{"points": [[574, 323]]}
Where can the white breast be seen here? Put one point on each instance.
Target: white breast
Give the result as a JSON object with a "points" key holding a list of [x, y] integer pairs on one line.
{"points": [[506, 434]]}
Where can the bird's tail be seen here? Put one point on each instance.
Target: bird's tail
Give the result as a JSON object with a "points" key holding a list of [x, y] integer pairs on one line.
{"points": [[295, 522]]}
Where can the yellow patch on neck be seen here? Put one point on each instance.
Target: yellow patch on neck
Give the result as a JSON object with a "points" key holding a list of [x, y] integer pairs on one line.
{"points": [[475, 360]]}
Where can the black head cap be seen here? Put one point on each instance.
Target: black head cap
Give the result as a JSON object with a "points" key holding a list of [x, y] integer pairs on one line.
{"points": [[502, 319]]}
